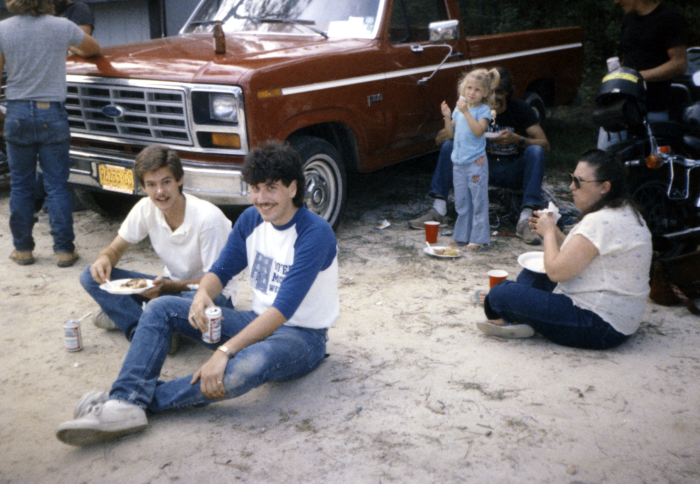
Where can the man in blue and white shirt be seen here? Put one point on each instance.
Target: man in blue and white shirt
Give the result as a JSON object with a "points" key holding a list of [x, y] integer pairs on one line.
{"points": [[292, 257]]}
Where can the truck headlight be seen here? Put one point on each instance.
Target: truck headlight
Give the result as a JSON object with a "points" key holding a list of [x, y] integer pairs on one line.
{"points": [[223, 107]]}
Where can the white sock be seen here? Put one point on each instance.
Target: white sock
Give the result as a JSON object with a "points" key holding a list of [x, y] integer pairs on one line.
{"points": [[440, 206], [525, 214]]}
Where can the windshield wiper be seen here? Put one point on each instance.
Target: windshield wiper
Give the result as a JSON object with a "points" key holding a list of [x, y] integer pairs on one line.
{"points": [[276, 20]]}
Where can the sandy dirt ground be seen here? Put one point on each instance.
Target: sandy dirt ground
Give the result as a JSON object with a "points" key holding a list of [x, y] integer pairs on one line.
{"points": [[411, 391]]}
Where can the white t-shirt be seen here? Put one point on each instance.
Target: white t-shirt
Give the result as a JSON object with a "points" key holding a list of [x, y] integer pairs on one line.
{"points": [[615, 284], [189, 251]]}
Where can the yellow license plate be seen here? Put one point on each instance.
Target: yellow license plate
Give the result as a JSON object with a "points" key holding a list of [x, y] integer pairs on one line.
{"points": [[116, 178]]}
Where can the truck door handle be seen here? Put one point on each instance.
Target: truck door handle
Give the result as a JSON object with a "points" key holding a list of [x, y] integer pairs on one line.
{"points": [[458, 55]]}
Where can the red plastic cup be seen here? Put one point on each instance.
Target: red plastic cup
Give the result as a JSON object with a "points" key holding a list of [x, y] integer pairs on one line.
{"points": [[496, 276], [431, 232]]}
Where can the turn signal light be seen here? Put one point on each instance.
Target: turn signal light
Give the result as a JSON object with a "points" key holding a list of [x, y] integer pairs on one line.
{"points": [[665, 149], [654, 161], [226, 139]]}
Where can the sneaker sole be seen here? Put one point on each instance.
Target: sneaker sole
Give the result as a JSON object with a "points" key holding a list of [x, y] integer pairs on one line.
{"points": [[515, 331], [80, 437]]}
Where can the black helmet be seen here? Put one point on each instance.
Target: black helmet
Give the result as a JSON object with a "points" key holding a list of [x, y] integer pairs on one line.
{"points": [[622, 82], [621, 101]]}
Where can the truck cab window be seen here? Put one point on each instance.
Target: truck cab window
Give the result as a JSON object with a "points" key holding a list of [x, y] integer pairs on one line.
{"points": [[410, 19]]}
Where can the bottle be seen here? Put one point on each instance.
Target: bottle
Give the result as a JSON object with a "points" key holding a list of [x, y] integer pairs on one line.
{"points": [[219, 39]]}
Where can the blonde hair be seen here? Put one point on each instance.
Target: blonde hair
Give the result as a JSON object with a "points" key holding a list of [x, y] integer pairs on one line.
{"points": [[33, 7], [488, 79]]}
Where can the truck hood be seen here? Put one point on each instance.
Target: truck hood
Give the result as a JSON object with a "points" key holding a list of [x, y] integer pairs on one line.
{"points": [[191, 58]]}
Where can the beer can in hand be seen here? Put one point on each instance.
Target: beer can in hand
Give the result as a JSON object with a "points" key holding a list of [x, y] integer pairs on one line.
{"points": [[72, 336], [213, 332], [613, 63]]}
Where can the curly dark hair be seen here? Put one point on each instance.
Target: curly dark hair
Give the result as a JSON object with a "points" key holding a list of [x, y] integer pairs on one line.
{"points": [[33, 7], [274, 161]]}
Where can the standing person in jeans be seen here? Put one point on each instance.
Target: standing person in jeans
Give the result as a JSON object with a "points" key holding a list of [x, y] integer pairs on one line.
{"points": [[292, 259], [186, 233], [516, 159], [653, 42], [33, 46]]}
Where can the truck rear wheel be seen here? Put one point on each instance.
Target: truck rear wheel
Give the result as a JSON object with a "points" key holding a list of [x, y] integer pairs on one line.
{"points": [[537, 104], [326, 184]]}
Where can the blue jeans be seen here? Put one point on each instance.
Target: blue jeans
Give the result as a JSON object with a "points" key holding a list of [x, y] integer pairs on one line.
{"points": [[42, 134], [530, 301], [126, 311], [289, 353], [471, 203], [525, 173]]}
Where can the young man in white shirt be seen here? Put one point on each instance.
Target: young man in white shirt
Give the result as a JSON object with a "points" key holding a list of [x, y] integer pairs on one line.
{"points": [[187, 233]]}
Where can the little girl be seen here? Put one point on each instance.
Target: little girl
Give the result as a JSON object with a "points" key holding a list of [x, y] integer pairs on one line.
{"points": [[467, 124]]}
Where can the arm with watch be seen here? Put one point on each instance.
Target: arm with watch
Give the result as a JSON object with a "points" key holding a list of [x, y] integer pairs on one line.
{"points": [[535, 136], [212, 372]]}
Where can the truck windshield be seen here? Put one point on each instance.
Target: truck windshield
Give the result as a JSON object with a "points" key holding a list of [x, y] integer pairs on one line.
{"points": [[328, 18]]}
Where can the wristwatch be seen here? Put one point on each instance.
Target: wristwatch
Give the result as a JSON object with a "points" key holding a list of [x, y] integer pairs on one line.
{"points": [[225, 351], [522, 143]]}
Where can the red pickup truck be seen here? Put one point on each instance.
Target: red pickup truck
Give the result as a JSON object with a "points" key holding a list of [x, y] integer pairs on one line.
{"points": [[353, 85]]}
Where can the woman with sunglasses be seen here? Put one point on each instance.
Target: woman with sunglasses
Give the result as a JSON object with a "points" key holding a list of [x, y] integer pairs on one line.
{"points": [[595, 288]]}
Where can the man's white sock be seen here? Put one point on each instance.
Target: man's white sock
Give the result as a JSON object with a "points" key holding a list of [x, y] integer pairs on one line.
{"points": [[440, 206], [525, 214]]}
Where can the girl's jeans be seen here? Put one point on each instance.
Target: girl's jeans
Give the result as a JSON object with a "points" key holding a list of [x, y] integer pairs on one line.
{"points": [[530, 301], [471, 182], [289, 353]]}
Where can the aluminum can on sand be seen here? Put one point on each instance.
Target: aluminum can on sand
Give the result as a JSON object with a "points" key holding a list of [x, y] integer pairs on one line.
{"points": [[213, 333], [72, 336]]}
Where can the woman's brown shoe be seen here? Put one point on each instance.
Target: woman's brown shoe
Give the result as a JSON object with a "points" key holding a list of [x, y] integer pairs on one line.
{"points": [[22, 258]]}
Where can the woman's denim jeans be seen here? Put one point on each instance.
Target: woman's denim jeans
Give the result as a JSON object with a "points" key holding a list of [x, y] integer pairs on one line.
{"points": [[126, 311], [289, 353], [32, 133], [530, 301]]}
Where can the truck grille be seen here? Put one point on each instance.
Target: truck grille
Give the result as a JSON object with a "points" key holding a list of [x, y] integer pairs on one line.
{"points": [[149, 114]]}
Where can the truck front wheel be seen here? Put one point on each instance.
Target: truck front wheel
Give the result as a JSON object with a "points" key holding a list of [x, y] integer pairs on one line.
{"points": [[326, 184], [537, 104]]}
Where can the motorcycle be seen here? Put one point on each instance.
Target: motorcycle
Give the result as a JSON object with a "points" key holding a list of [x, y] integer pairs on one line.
{"points": [[662, 160]]}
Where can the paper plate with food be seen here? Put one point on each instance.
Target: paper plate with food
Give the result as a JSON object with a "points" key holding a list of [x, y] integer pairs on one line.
{"points": [[442, 251], [127, 286], [533, 261]]}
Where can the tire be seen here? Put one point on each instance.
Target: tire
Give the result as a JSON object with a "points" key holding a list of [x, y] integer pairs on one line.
{"points": [[107, 204], [662, 216], [326, 183], [537, 104]]}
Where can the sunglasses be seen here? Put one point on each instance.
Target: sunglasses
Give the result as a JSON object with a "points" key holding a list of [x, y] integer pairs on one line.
{"points": [[577, 181]]}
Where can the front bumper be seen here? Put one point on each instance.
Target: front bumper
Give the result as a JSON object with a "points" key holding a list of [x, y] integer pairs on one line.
{"points": [[219, 185]]}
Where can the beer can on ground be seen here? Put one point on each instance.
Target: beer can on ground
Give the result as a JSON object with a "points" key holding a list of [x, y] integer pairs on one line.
{"points": [[213, 333], [613, 63], [72, 336]]}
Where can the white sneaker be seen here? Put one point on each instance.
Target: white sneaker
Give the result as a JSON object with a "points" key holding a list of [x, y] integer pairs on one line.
{"points": [[88, 400], [102, 422], [103, 321]]}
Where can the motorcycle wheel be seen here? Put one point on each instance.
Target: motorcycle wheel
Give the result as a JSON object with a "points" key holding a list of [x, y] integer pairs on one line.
{"points": [[662, 216]]}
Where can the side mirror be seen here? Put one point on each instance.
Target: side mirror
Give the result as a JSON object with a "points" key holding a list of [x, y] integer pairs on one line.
{"points": [[446, 31]]}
